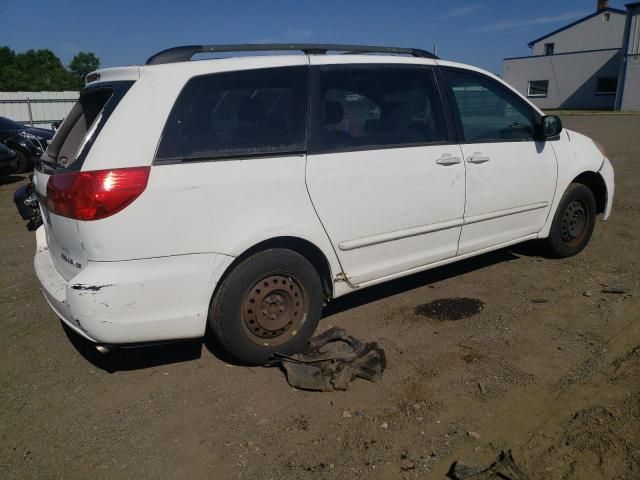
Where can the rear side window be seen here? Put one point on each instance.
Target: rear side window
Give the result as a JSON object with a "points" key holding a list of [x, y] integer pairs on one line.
{"points": [[488, 111], [79, 130], [361, 107], [234, 114]]}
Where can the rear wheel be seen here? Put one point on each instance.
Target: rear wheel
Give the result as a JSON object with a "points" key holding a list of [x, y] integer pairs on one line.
{"points": [[573, 222], [269, 303]]}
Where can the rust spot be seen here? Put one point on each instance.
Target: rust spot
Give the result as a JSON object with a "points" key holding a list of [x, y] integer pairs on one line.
{"points": [[341, 277]]}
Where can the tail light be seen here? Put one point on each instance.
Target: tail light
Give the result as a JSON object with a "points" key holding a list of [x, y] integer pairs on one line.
{"points": [[97, 194]]}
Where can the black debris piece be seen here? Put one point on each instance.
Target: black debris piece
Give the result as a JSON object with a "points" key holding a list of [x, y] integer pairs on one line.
{"points": [[618, 290], [332, 360], [504, 468]]}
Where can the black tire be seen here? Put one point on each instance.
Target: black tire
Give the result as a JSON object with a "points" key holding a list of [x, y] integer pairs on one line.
{"points": [[269, 303], [24, 163], [573, 222]]}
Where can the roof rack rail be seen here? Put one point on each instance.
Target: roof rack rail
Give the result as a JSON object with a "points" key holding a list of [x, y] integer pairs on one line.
{"points": [[184, 53]]}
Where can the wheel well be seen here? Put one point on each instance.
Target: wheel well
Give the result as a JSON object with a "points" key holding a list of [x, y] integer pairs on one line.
{"points": [[305, 248], [595, 183]]}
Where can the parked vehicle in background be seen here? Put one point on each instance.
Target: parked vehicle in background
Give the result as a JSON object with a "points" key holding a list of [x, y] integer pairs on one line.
{"points": [[27, 142], [250, 191], [8, 160]]}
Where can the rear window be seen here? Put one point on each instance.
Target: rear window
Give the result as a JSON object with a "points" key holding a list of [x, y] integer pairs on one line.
{"points": [[237, 114], [79, 130]]}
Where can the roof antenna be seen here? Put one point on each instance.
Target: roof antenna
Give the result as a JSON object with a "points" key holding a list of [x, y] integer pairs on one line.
{"points": [[435, 48]]}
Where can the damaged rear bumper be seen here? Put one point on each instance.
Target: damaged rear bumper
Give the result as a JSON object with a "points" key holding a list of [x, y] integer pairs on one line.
{"points": [[133, 301]]}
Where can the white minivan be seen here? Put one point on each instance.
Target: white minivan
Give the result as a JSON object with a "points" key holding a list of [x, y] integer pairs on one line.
{"points": [[248, 192]]}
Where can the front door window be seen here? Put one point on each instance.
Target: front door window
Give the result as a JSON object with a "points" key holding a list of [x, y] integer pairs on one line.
{"points": [[488, 111]]}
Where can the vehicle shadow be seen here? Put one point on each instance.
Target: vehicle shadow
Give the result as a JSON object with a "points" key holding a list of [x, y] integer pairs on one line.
{"points": [[135, 358], [417, 280], [9, 179], [141, 357]]}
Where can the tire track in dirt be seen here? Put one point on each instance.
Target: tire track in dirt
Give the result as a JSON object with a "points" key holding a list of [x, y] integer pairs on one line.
{"points": [[529, 419]]}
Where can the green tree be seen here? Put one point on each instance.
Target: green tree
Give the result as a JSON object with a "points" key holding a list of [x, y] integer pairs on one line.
{"points": [[36, 70], [8, 69], [82, 64], [43, 70]]}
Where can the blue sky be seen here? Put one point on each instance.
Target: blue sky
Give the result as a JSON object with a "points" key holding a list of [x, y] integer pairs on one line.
{"points": [[127, 32]]}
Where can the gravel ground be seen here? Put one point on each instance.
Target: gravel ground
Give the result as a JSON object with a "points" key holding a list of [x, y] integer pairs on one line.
{"points": [[544, 364]]}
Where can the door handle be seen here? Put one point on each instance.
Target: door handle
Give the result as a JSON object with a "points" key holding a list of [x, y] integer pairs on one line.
{"points": [[448, 159], [478, 158]]}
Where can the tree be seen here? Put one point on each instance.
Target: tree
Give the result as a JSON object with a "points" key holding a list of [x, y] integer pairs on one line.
{"points": [[36, 70], [82, 64], [43, 70], [8, 69]]}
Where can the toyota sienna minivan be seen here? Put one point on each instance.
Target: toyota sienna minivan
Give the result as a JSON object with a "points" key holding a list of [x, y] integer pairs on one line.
{"points": [[249, 191]]}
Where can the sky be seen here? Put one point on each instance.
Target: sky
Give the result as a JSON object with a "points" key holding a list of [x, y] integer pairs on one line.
{"points": [[477, 32]]}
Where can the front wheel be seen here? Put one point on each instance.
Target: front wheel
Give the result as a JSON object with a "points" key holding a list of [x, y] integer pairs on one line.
{"points": [[269, 303], [573, 222]]}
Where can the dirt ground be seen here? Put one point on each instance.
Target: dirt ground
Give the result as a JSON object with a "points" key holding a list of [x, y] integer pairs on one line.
{"points": [[549, 367]]}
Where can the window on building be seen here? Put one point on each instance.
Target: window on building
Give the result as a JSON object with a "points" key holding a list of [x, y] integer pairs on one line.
{"points": [[606, 17], [607, 85], [548, 48], [538, 88]]}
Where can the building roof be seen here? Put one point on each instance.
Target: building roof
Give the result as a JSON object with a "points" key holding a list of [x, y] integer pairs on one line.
{"points": [[614, 10], [632, 5]]}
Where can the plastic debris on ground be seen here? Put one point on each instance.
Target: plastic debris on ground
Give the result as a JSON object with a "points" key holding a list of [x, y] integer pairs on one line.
{"points": [[504, 468], [331, 360]]}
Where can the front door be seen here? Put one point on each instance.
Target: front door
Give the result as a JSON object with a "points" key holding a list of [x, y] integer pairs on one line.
{"points": [[511, 177], [386, 182]]}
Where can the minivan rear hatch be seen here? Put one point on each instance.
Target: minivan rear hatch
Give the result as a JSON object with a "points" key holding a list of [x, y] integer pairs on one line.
{"points": [[64, 156]]}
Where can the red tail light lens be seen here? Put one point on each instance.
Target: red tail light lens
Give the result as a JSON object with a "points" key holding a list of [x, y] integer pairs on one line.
{"points": [[95, 195]]}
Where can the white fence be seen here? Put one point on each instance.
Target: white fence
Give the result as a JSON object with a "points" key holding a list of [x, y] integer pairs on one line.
{"points": [[38, 109]]}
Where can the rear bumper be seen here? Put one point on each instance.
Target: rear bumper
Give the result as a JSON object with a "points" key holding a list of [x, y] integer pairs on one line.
{"points": [[133, 301]]}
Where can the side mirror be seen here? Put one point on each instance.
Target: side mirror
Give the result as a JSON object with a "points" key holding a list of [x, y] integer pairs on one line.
{"points": [[551, 127]]}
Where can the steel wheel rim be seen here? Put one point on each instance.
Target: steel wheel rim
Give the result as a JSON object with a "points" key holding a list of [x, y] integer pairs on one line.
{"points": [[274, 309], [574, 223]]}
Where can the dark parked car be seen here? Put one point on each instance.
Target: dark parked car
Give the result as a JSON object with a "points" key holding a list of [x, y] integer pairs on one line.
{"points": [[8, 160], [27, 142]]}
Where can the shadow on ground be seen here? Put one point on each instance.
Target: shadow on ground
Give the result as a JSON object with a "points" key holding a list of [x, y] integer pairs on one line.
{"points": [[141, 357], [9, 179], [417, 280], [135, 358]]}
